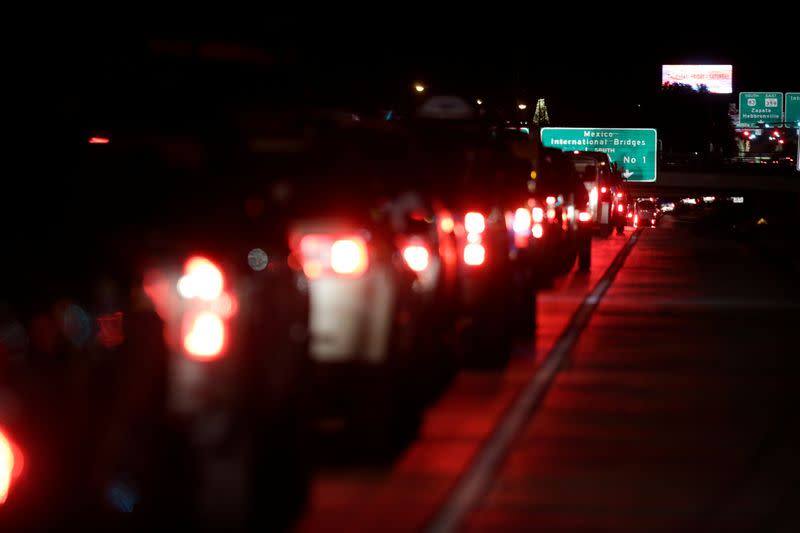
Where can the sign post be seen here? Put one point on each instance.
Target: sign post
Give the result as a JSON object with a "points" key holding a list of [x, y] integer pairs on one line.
{"points": [[761, 107], [633, 150]]}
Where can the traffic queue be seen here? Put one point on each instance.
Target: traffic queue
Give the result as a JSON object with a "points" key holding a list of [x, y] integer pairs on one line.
{"points": [[262, 272]]}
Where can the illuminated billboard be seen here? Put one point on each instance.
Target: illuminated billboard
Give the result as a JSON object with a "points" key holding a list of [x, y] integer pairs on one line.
{"points": [[718, 78]]}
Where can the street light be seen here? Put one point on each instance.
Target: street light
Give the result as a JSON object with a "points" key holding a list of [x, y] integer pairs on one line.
{"points": [[479, 101], [419, 87], [522, 106]]}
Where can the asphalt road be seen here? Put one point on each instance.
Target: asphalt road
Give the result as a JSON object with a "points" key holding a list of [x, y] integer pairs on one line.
{"points": [[676, 410]]}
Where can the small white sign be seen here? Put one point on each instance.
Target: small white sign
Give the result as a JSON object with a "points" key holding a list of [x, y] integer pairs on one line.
{"points": [[771, 102]]}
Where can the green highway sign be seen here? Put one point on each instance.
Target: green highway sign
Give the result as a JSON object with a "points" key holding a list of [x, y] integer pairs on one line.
{"points": [[760, 107], [793, 110], [634, 150]]}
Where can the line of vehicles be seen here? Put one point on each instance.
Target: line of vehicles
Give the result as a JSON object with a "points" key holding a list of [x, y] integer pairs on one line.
{"points": [[210, 289]]}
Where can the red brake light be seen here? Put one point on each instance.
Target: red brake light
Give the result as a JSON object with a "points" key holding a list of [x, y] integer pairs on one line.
{"points": [[635, 220], [204, 335], [551, 215], [603, 190], [11, 463], [349, 256], [474, 254], [619, 195], [416, 257], [474, 222], [538, 215], [550, 200], [584, 216], [620, 208], [202, 279], [99, 140], [537, 231], [447, 224], [323, 254], [522, 221]]}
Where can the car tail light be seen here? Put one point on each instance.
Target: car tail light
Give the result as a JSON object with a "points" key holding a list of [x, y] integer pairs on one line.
{"points": [[551, 215], [537, 231], [550, 200], [447, 224], [349, 256], [603, 190], [538, 215], [630, 215], [635, 220], [584, 216], [522, 221], [11, 463], [416, 257], [653, 221], [620, 208], [323, 254], [99, 140], [619, 195], [202, 279], [204, 335], [474, 254], [474, 222]]}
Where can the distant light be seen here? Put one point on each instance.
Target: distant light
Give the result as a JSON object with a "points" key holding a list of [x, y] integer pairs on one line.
{"points": [[746, 133], [474, 254], [780, 141], [349, 256], [737, 199], [202, 279], [522, 106], [584, 216], [479, 101], [257, 259], [533, 174], [474, 222], [709, 199], [524, 130], [603, 189], [776, 133], [205, 336], [99, 140], [522, 221], [550, 200], [417, 257], [419, 87], [538, 231], [447, 224]]}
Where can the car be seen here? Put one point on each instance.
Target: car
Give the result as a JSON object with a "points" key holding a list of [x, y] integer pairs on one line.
{"points": [[162, 367], [473, 179], [558, 235], [604, 181], [370, 253], [646, 213]]}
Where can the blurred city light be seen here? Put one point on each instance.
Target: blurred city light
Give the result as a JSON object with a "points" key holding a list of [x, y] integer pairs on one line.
{"points": [[522, 106], [420, 88]]}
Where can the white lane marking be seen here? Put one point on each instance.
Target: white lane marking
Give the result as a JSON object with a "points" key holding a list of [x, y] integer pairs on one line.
{"points": [[479, 473]]}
